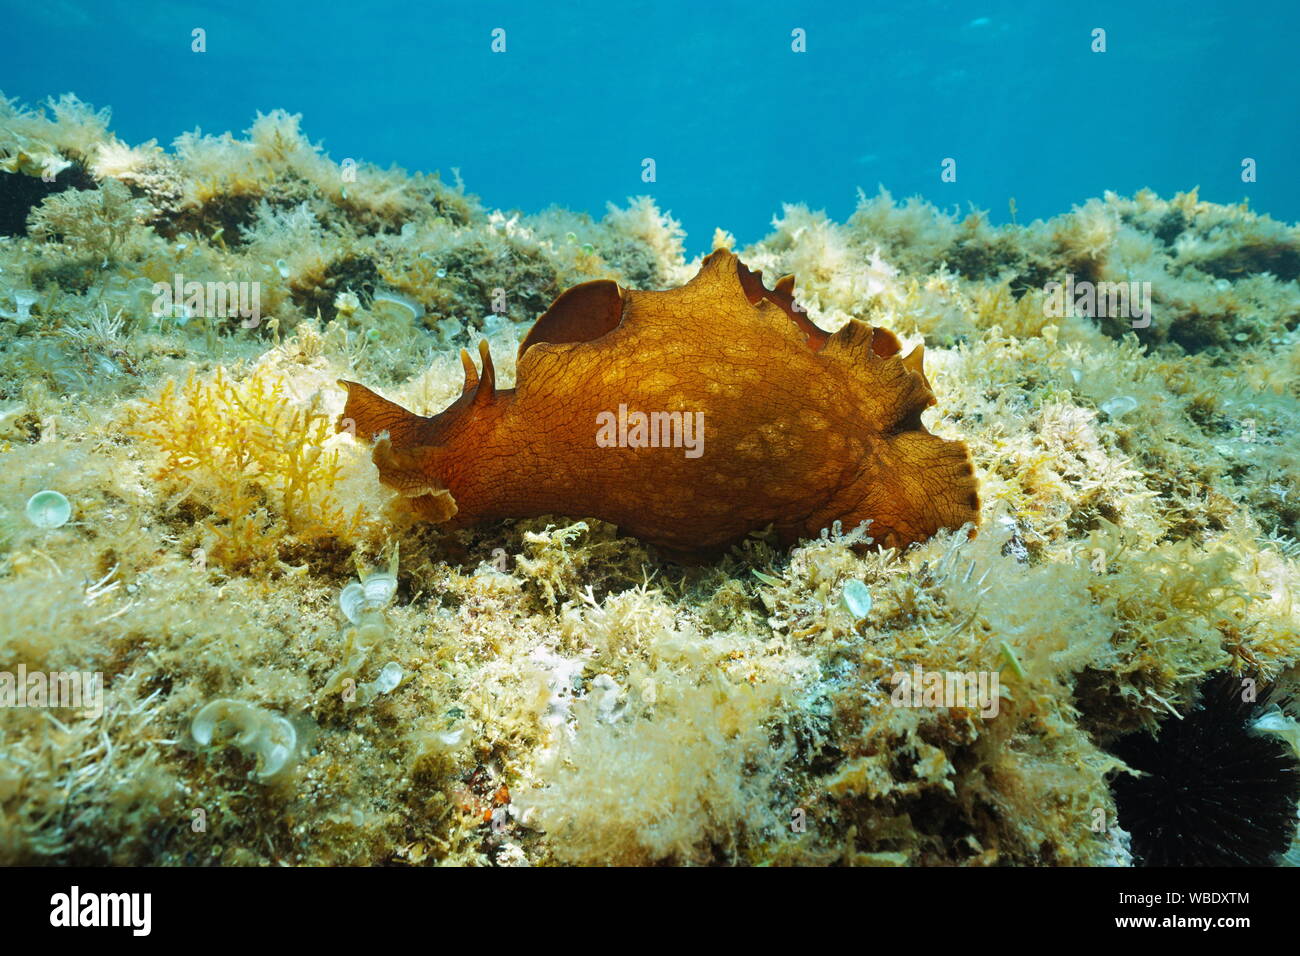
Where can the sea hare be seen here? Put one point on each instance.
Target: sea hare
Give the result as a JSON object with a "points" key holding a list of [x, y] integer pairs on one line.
{"points": [[688, 418]]}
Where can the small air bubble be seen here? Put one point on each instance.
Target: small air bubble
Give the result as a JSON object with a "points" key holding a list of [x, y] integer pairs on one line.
{"points": [[1119, 406], [373, 594], [48, 510], [351, 599], [857, 599], [387, 680]]}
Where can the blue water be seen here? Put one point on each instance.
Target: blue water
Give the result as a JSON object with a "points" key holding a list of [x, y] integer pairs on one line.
{"points": [[735, 121]]}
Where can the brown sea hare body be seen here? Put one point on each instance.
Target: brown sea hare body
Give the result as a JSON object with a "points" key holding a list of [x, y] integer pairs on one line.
{"points": [[800, 428]]}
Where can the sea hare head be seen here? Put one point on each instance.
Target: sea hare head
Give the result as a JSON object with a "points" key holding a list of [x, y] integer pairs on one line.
{"points": [[689, 418]]}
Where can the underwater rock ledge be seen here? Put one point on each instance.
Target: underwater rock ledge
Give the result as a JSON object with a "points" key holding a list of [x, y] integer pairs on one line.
{"points": [[296, 671]]}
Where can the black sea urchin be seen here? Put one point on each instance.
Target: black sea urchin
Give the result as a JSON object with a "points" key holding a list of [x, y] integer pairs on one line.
{"points": [[1215, 792]]}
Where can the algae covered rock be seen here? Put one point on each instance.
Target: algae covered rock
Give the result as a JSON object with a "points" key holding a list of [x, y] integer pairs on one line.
{"points": [[552, 690]]}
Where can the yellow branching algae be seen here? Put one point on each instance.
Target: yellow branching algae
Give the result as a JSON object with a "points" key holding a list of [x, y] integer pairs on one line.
{"points": [[551, 690], [260, 461]]}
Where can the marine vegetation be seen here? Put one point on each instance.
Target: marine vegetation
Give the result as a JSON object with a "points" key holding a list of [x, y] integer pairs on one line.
{"points": [[296, 670]]}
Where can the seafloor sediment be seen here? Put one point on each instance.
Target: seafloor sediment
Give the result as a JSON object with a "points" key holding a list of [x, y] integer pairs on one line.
{"points": [[567, 694]]}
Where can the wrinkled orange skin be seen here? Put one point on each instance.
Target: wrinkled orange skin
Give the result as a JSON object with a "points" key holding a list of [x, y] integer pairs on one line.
{"points": [[801, 428]]}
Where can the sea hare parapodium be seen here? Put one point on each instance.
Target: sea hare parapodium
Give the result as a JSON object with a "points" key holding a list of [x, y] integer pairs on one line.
{"points": [[800, 427]]}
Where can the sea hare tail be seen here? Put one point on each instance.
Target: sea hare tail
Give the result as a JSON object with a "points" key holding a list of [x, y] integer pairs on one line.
{"points": [[917, 484]]}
